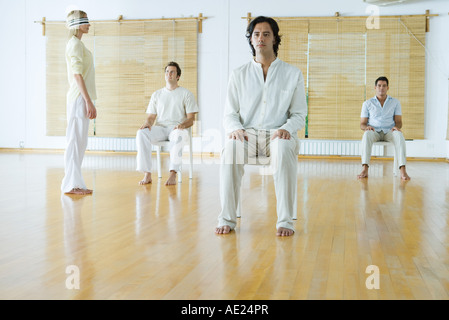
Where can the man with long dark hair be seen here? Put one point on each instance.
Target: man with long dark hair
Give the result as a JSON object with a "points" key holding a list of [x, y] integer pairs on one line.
{"points": [[265, 108]]}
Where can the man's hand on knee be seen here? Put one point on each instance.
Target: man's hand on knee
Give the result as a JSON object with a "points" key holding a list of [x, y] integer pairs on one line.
{"points": [[281, 134], [239, 134]]}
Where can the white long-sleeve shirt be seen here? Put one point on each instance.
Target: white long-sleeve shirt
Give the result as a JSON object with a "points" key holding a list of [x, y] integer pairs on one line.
{"points": [[79, 61], [279, 102]]}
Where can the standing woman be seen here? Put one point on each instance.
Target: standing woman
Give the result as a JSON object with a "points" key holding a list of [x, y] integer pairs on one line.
{"points": [[80, 108]]}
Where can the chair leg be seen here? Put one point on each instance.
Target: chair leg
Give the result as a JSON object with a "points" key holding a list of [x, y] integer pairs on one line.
{"points": [[239, 204], [190, 156], [239, 208], [395, 164], [159, 167], [295, 208], [191, 165], [180, 172]]}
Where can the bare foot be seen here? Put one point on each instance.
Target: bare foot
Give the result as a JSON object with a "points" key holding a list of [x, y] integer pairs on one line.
{"points": [[146, 179], [364, 173], [284, 232], [171, 179], [223, 229], [404, 175], [79, 191]]}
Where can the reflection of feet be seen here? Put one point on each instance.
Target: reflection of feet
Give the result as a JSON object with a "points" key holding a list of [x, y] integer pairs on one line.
{"points": [[364, 183], [79, 191], [171, 179], [284, 232], [223, 229], [172, 192], [72, 197], [402, 184], [146, 179]]}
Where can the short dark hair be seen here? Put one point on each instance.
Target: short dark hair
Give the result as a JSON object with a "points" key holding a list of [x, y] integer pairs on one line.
{"points": [[381, 79], [274, 26], [174, 64]]}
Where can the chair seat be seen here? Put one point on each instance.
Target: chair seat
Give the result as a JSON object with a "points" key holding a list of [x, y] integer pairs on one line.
{"points": [[266, 170], [259, 160]]}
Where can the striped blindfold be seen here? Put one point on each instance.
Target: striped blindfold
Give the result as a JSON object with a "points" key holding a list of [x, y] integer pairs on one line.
{"points": [[75, 23]]}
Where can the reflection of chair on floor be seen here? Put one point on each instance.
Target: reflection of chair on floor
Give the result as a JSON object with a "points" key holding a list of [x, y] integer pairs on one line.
{"points": [[395, 162], [160, 144], [265, 170]]}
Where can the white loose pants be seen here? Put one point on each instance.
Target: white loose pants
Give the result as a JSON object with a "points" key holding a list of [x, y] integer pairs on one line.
{"points": [[283, 162], [76, 136], [396, 137], [145, 138]]}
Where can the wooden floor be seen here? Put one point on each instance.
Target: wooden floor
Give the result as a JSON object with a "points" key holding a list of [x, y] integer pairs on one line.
{"points": [[157, 242]]}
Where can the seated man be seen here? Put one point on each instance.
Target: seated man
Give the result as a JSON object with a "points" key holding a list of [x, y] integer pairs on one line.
{"points": [[381, 119], [265, 108], [175, 108]]}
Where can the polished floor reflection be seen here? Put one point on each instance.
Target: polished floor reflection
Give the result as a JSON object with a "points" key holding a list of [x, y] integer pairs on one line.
{"points": [[156, 242]]}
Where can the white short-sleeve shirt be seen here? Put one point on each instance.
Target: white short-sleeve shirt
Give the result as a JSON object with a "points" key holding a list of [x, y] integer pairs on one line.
{"points": [[172, 106], [381, 118]]}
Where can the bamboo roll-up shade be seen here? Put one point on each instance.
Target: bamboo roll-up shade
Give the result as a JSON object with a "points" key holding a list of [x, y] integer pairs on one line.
{"points": [[323, 69], [107, 78], [56, 80], [294, 50], [176, 40], [341, 59], [336, 78], [129, 67], [396, 50], [351, 78]]}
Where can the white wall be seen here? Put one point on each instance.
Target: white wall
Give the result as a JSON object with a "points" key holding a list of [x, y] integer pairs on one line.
{"points": [[222, 47], [13, 74]]}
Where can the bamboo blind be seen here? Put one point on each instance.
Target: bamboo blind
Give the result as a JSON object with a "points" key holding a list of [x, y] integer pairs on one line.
{"points": [[294, 50], [129, 66], [56, 79], [341, 59]]}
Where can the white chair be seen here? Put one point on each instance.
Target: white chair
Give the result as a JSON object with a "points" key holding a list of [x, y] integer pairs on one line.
{"points": [[395, 162], [160, 144], [239, 205], [266, 168]]}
